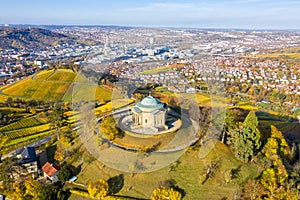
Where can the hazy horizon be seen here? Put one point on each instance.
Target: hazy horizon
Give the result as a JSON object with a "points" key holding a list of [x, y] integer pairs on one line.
{"points": [[217, 14]]}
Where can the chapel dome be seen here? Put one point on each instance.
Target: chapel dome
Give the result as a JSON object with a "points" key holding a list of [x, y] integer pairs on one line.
{"points": [[150, 103]]}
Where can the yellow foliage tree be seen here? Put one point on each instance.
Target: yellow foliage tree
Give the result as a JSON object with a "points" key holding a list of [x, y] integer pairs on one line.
{"points": [[283, 147], [163, 193], [59, 155], [33, 187], [98, 189], [275, 178], [18, 193], [108, 126]]}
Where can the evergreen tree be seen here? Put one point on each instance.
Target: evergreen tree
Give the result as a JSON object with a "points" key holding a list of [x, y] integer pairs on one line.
{"points": [[245, 140]]}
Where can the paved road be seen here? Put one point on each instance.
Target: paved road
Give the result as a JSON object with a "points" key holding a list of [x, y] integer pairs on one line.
{"points": [[34, 144]]}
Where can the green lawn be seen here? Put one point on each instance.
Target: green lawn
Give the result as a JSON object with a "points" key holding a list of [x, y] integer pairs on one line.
{"points": [[186, 174], [158, 70]]}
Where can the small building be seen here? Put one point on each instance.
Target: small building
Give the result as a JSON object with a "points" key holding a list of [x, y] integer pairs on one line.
{"points": [[149, 113], [27, 158], [50, 172], [73, 179]]}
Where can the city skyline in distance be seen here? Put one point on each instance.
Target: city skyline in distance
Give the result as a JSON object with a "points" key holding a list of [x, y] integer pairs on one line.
{"points": [[228, 14]]}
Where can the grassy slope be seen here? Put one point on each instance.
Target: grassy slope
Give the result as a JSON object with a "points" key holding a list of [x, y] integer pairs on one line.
{"points": [[186, 175]]}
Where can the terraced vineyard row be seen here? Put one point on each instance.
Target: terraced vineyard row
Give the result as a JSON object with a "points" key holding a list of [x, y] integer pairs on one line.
{"points": [[24, 123], [14, 134], [3, 98]]}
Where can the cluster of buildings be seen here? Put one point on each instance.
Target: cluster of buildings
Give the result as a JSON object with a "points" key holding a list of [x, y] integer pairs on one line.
{"points": [[32, 165], [125, 52], [18, 64], [268, 74]]}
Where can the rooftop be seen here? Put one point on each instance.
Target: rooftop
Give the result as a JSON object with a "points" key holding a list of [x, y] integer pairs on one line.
{"points": [[150, 103], [27, 155], [50, 169]]}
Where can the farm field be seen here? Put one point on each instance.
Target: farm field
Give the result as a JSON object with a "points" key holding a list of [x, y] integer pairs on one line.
{"points": [[25, 127], [18, 133], [24, 123], [55, 85], [86, 92]]}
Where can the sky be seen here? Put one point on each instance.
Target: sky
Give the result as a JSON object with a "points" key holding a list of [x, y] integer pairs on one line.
{"points": [[244, 14]]}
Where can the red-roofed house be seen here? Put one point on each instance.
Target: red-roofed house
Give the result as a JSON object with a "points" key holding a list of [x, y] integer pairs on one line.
{"points": [[50, 172]]}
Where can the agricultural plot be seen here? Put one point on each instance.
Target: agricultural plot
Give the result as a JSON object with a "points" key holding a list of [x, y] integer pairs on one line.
{"points": [[25, 140], [85, 91], [51, 90], [18, 133], [63, 75], [16, 110], [43, 75], [24, 88], [46, 85], [55, 85], [3, 98], [22, 124]]}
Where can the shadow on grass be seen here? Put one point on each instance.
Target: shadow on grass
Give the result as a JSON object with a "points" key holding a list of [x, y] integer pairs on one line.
{"points": [[76, 170], [116, 183]]}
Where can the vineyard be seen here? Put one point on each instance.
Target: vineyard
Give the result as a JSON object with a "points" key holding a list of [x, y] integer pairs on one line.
{"points": [[60, 84], [24, 123], [18, 133], [25, 127], [43, 75], [63, 75], [87, 91], [3, 98]]}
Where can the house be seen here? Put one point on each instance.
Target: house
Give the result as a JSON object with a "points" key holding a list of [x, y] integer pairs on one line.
{"points": [[190, 90], [27, 158], [50, 172]]}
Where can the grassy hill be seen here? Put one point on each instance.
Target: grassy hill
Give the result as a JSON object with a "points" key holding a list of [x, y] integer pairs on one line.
{"points": [[60, 84], [186, 173]]}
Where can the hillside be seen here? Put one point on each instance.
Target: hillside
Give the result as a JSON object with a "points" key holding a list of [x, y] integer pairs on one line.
{"points": [[20, 38], [61, 84]]}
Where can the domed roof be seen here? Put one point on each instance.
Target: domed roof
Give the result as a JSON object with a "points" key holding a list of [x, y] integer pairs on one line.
{"points": [[150, 103]]}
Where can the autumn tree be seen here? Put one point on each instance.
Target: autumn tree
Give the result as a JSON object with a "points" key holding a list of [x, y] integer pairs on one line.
{"points": [[109, 128], [163, 193], [6, 172], [275, 178], [253, 190], [276, 145], [98, 189], [38, 191], [18, 192], [245, 140]]}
